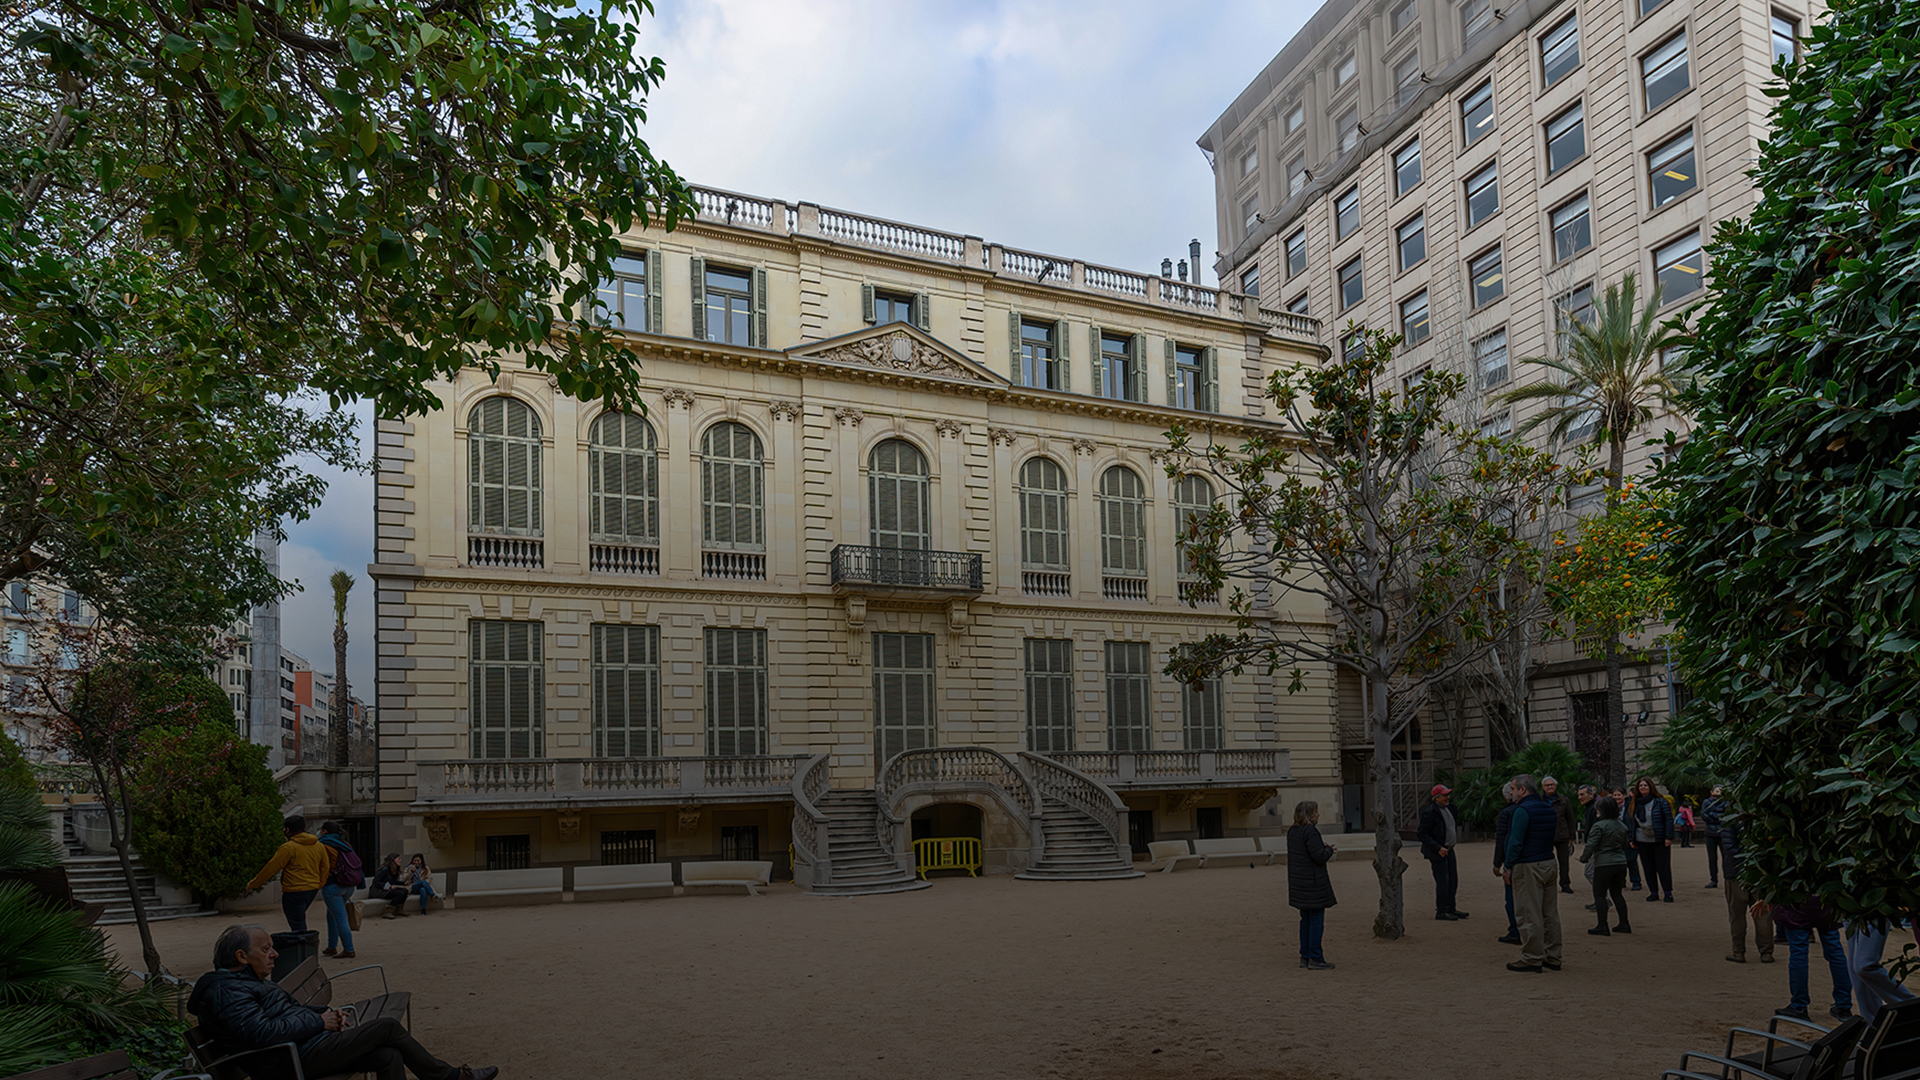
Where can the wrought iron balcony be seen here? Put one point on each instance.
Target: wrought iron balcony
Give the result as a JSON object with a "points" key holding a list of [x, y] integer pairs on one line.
{"points": [[861, 568]]}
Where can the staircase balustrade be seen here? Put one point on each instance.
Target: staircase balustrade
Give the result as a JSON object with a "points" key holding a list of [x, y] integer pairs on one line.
{"points": [[810, 831], [939, 764], [1081, 792]]}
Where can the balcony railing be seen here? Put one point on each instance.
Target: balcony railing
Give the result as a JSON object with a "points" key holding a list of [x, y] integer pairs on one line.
{"points": [[624, 559], [658, 779], [861, 566], [1179, 768], [1123, 588], [508, 552], [1198, 592], [1290, 324], [734, 565], [1046, 583]]}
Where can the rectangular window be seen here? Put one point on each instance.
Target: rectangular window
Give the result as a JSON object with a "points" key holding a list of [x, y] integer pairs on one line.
{"points": [[1560, 49], [626, 690], [1488, 276], [1250, 213], [1406, 78], [1414, 325], [1670, 169], [1566, 138], [903, 694], [623, 296], [1296, 118], [1049, 695], [1572, 228], [891, 308], [1129, 696], [19, 597], [1572, 307], [736, 675], [1490, 356], [1299, 305], [1249, 160], [1343, 74], [1678, 267], [1411, 239], [1350, 345], [1038, 367], [1401, 18], [1663, 72], [1483, 194], [1346, 214], [1475, 17], [1406, 168], [1352, 288], [1296, 175], [1497, 427], [729, 295], [1250, 282], [1296, 252], [1189, 378], [18, 651], [1649, 5], [625, 847], [1202, 720], [507, 689], [1476, 113], [1116, 365], [510, 852], [1349, 128], [740, 843], [1786, 39]]}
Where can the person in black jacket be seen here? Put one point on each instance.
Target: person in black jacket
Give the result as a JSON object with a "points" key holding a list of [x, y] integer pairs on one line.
{"points": [[1501, 823], [1439, 835], [1309, 887], [243, 1011], [387, 886], [1652, 827], [1711, 812]]}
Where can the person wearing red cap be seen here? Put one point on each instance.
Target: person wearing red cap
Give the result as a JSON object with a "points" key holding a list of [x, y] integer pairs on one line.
{"points": [[1439, 834]]}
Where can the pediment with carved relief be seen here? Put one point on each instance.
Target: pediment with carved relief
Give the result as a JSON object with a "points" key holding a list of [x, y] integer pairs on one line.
{"points": [[897, 347]]}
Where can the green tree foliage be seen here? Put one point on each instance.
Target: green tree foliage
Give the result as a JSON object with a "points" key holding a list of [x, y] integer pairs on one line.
{"points": [[16, 773], [58, 985], [208, 808], [1476, 793], [1682, 758], [26, 841], [1375, 508], [1797, 499]]}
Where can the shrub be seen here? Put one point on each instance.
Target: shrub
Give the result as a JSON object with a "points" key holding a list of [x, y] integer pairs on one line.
{"points": [[209, 810], [58, 984], [16, 774], [1476, 792], [25, 842]]}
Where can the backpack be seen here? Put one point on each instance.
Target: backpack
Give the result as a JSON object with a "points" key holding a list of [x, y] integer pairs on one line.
{"points": [[347, 872]]}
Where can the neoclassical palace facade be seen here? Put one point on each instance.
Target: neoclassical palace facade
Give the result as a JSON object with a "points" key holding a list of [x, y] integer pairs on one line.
{"points": [[889, 556]]}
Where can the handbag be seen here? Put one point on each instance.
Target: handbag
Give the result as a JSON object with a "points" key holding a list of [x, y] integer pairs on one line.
{"points": [[353, 914]]}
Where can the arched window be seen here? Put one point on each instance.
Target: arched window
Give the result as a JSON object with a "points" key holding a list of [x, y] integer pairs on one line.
{"points": [[1192, 497], [897, 497], [623, 480], [1043, 516], [732, 489], [1123, 523], [503, 468]]}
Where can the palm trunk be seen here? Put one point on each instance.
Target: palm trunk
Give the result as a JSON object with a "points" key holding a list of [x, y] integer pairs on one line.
{"points": [[1616, 685], [337, 745]]}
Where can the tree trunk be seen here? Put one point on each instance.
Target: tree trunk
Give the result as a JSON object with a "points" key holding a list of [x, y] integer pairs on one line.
{"points": [[118, 828], [1391, 923], [1616, 717], [338, 754]]}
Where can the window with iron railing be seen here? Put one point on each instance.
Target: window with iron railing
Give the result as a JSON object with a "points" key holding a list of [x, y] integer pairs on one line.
{"points": [[897, 486]]}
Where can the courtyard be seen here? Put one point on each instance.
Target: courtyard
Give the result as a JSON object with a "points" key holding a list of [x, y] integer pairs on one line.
{"points": [[1191, 974]]}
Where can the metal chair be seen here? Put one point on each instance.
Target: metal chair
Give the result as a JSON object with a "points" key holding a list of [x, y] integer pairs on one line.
{"points": [[1825, 1059]]}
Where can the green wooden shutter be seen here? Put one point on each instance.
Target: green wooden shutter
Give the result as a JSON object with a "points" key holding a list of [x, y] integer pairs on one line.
{"points": [[1209, 380], [1099, 350], [760, 307], [1173, 375], [922, 311], [1062, 358], [1136, 369], [698, 268], [1013, 341], [866, 304], [656, 290]]}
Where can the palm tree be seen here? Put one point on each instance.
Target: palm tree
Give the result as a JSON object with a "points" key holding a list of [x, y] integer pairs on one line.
{"points": [[338, 751], [1610, 372]]}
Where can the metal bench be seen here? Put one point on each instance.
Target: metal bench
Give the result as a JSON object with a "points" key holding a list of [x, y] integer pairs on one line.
{"points": [[109, 1066], [1826, 1059]]}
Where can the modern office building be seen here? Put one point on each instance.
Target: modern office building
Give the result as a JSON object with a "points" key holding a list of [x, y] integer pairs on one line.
{"points": [[1468, 175], [889, 556]]}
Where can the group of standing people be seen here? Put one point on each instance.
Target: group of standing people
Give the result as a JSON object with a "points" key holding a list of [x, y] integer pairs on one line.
{"points": [[326, 866]]}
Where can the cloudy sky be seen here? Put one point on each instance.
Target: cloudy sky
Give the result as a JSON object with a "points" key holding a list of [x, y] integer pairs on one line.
{"points": [[1061, 127]]}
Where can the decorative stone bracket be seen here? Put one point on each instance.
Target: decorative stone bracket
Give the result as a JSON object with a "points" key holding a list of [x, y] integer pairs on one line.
{"points": [[569, 823], [1182, 800], [439, 829], [689, 819], [1252, 800]]}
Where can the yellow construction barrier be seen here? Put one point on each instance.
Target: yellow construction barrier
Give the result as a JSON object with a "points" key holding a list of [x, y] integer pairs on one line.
{"points": [[947, 853]]}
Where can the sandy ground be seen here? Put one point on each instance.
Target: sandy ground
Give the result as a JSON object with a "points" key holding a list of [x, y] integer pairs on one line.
{"points": [[1191, 974]]}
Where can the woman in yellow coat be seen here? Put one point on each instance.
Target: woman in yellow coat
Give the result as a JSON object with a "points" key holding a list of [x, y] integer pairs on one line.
{"points": [[303, 864]]}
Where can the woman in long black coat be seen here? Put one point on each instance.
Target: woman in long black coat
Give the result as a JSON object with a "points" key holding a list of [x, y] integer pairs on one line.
{"points": [[1309, 888]]}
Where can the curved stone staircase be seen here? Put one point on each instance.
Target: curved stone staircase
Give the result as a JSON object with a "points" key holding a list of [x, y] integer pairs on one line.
{"points": [[1077, 848], [860, 864]]}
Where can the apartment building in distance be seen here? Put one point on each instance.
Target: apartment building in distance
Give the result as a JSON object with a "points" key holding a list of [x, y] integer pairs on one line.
{"points": [[889, 559], [1468, 174]]}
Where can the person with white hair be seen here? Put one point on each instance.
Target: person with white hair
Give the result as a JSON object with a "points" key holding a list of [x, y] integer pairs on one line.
{"points": [[1501, 822], [1529, 867], [1563, 829]]}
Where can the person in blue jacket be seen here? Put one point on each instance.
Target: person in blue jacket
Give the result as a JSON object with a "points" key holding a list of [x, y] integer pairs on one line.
{"points": [[1652, 827], [1532, 868]]}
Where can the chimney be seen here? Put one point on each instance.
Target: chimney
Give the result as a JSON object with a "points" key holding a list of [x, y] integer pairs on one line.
{"points": [[1193, 254], [1166, 268], [1183, 269]]}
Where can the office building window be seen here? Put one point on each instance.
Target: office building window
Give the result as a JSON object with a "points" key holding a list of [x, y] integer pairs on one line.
{"points": [[1490, 358], [889, 307], [1039, 353], [1483, 194], [1352, 288], [1190, 377], [1573, 306], [1497, 427], [1296, 175], [732, 489], [1663, 72], [1476, 113], [1346, 213], [1350, 345], [1249, 160], [1406, 168], [1475, 17], [1572, 228], [1049, 668], [1349, 128], [1566, 138], [1043, 516], [1678, 267], [1299, 305], [728, 307], [1414, 325], [1670, 169], [1411, 240], [1250, 213], [1202, 721], [1488, 276], [897, 497], [503, 468], [507, 689], [1786, 39], [1296, 252], [1129, 696], [623, 297], [1123, 523], [1401, 18], [736, 675], [1406, 78], [1649, 5], [1119, 373], [1560, 49], [1250, 282], [903, 694], [1296, 118], [626, 690], [623, 481], [1344, 71]]}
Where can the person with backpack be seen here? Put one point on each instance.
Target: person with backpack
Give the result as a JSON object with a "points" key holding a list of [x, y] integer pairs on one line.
{"points": [[337, 893]]}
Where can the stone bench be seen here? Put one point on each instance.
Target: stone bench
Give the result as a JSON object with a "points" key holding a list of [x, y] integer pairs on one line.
{"points": [[632, 881], [748, 875], [1172, 852], [1230, 849], [504, 888], [1275, 848]]}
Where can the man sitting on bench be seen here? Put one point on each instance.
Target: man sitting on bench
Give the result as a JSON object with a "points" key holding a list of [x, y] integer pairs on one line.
{"points": [[243, 1010]]}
